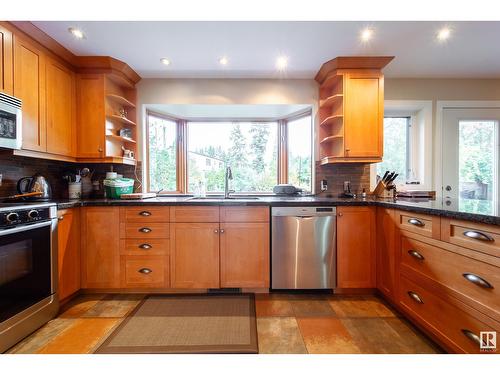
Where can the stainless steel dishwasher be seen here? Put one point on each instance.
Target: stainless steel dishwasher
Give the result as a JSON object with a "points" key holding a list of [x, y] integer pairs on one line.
{"points": [[303, 249]]}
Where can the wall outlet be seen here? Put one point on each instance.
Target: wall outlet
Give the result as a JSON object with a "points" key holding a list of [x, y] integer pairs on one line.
{"points": [[324, 185]]}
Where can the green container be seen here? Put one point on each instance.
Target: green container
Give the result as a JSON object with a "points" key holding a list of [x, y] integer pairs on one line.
{"points": [[114, 188]]}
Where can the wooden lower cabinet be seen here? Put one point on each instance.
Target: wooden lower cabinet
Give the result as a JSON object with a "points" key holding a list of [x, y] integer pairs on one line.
{"points": [[68, 243], [386, 253], [144, 271], [244, 255], [100, 247], [194, 249], [356, 247]]}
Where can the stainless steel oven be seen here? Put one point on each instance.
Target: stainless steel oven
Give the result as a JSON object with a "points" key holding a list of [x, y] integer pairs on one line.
{"points": [[10, 122], [28, 270]]}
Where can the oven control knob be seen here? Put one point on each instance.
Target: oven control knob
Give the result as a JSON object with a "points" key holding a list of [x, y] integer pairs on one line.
{"points": [[11, 217], [33, 214]]}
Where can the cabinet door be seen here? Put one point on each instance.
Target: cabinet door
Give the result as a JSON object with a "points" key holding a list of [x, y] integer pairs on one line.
{"points": [[244, 255], [386, 253], [364, 115], [100, 247], [61, 103], [68, 241], [356, 247], [6, 61], [91, 116], [29, 86], [194, 252]]}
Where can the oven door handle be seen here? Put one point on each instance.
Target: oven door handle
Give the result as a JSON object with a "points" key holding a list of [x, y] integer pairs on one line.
{"points": [[24, 228]]}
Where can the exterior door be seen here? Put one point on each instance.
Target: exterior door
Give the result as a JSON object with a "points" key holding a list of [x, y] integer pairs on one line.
{"points": [[470, 153]]}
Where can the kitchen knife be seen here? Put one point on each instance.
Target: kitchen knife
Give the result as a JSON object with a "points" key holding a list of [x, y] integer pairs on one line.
{"points": [[392, 178], [386, 181], [385, 175]]}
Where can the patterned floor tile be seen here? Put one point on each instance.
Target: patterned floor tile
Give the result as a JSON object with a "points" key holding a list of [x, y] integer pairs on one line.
{"points": [[360, 307], [279, 335], [114, 306], [273, 307], [311, 307], [80, 305]]}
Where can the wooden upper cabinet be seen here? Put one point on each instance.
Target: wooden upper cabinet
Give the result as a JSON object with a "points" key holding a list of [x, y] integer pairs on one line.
{"points": [[91, 116], [356, 255], [386, 253], [68, 254], [244, 255], [100, 247], [61, 109], [364, 115], [6, 62], [29, 86]]}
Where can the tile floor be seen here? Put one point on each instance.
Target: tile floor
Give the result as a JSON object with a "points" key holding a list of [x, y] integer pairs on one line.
{"points": [[286, 323]]}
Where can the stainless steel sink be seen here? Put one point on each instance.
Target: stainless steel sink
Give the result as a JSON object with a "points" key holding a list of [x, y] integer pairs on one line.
{"points": [[221, 197]]}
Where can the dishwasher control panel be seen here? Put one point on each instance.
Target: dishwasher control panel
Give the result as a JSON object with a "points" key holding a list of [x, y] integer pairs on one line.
{"points": [[304, 211]]}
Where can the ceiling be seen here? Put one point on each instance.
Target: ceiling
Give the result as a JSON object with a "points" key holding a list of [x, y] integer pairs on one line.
{"points": [[252, 48]]}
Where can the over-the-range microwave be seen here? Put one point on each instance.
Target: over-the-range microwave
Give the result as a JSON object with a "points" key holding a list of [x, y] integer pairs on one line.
{"points": [[10, 122]]}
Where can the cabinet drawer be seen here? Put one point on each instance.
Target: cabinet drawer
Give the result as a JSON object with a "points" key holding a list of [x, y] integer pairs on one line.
{"points": [[143, 247], [145, 271], [244, 214], [475, 236], [457, 329], [145, 214], [144, 230], [194, 214], [425, 225], [473, 281]]}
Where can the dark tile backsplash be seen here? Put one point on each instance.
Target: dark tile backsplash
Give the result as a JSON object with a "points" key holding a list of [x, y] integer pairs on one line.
{"points": [[13, 168], [336, 174]]}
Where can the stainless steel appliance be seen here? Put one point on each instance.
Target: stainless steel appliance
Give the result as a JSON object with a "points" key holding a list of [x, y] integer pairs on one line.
{"points": [[35, 184], [10, 122], [28, 269], [303, 252]]}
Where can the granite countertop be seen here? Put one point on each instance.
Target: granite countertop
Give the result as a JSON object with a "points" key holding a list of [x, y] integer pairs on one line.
{"points": [[478, 211]]}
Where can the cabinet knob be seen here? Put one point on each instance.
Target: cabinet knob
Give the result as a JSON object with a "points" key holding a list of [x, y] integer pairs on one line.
{"points": [[99, 149], [347, 149], [216, 231], [341, 214], [222, 230], [60, 218]]}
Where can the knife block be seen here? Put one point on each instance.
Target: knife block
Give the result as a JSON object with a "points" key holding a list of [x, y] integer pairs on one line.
{"points": [[382, 190]]}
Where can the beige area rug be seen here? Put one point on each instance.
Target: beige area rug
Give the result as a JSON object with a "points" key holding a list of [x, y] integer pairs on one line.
{"points": [[187, 324]]}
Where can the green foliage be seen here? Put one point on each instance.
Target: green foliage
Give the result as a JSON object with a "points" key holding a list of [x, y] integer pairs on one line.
{"points": [[476, 159], [394, 148], [162, 167]]}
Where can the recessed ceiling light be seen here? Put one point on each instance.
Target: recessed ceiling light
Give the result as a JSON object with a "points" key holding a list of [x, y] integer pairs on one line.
{"points": [[366, 34], [443, 34], [77, 33], [281, 63], [165, 61], [223, 60]]}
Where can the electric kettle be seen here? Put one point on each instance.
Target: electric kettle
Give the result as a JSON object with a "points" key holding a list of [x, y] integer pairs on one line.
{"points": [[35, 184]]}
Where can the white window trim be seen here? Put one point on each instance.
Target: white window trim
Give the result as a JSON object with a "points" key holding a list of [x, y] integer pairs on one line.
{"points": [[421, 146]]}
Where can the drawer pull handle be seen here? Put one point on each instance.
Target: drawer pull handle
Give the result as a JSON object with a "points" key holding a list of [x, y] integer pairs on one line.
{"points": [[145, 213], [145, 246], [145, 271], [145, 230], [479, 281], [416, 222], [472, 337], [416, 254], [415, 297], [478, 236]]}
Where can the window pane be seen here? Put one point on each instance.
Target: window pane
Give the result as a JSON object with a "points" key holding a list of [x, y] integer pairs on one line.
{"points": [[477, 163], [249, 148], [300, 153], [395, 148], [162, 154]]}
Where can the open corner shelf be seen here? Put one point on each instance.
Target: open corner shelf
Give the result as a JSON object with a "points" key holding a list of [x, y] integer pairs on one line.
{"points": [[120, 138], [331, 119], [121, 119], [120, 100], [331, 100], [331, 138]]}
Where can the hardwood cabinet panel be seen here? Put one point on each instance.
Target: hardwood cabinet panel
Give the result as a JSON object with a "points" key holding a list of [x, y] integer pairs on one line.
{"points": [[68, 243], [29, 86], [425, 225], [90, 116], [6, 62], [148, 271], [386, 253], [244, 255], [194, 214], [356, 255], [61, 109], [100, 247], [194, 249], [364, 113], [244, 214], [145, 214], [144, 230]]}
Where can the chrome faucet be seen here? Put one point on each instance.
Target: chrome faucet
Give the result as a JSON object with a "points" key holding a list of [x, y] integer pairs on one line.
{"points": [[228, 176]]}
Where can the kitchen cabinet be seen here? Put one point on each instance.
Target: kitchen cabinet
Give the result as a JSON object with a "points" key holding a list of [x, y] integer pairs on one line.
{"points": [[356, 247], [29, 86], [386, 253], [6, 62], [194, 255], [100, 247], [61, 109], [68, 246]]}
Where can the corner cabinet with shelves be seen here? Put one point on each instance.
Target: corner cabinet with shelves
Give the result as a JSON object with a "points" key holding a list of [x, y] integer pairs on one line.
{"points": [[351, 110], [106, 119]]}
